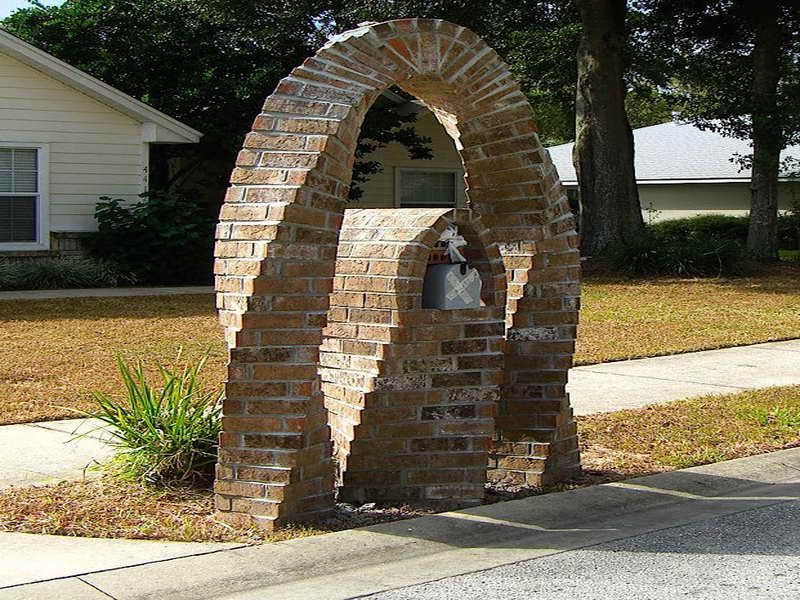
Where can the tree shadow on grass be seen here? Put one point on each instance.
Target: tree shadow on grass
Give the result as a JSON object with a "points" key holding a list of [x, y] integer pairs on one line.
{"points": [[132, 307]]}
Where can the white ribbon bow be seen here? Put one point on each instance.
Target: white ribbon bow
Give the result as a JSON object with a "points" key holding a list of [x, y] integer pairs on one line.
{"points": [[453, 242]]}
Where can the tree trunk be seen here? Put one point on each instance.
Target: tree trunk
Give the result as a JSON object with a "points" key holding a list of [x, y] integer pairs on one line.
{"points": [[762, 237], [603, 152]]}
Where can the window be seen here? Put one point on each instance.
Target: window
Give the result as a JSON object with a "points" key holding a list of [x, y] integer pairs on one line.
{"points": [[21, 217], [420, 188]]}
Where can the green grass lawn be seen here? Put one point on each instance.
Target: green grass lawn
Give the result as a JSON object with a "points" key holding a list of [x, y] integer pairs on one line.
{"points": [[55, 352]]}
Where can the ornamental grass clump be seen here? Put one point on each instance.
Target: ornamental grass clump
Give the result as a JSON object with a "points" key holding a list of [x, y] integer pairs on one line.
{"points": [[165, 434], [60, 273]]}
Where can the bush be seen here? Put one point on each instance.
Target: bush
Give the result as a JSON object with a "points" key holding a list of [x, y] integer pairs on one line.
{"points": [[165, 238], [59, 273], [679, 255], [722, 227], [731, 228], [166, 434]]}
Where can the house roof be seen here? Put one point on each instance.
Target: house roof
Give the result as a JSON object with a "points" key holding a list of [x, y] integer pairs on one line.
{"points": [[676, 153], [159, 127]]}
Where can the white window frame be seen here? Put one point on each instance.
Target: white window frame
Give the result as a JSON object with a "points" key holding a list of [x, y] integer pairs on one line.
{"points": [[399, 170], [43, 199]]}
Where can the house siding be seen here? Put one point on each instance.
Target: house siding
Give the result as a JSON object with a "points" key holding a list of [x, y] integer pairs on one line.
{"points": [[661, 202], [94, 150], [379, 191]]}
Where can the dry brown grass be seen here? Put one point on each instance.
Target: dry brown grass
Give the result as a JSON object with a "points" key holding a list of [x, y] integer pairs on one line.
{"points": [[114, 508], [109, 508], [634, 319], [686, 433], [614, 446], [55, 352]]}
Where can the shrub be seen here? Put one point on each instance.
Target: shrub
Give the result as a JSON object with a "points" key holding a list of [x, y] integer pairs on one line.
{"points": [[722, 227], [164, 238], [731, 228], [165, 434], [59, 273], [656, 253]]}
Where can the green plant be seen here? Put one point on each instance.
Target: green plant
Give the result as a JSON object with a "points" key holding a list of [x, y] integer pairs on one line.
{"points": [[792, 256], [657, 253], [724, 227], [164, 238], [59, 273], [164, 434], [780, 416], [789, 228]]}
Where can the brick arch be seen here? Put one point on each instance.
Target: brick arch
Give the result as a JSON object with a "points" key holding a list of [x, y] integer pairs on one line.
{"points": [[277, 243]]}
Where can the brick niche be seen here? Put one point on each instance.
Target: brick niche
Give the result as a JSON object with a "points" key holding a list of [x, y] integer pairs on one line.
{"points": [[276, 272], [411, 393]]}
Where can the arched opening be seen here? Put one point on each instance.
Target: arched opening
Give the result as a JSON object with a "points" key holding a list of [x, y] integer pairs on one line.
{"points": [[277, 247]]}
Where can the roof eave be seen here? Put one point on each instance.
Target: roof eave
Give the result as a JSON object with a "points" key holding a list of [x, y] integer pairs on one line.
{"points": [[171, 130]]}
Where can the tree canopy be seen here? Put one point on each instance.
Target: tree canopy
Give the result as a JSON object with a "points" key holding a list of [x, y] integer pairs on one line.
{"points": [[735, 69], [210, 63]]}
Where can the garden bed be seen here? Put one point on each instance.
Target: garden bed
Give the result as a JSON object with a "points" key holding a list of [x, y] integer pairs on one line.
{"points": [[615, 446]]}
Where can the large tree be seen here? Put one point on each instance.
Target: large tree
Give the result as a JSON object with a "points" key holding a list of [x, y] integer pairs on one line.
{"points": [[540, 39], [737, 71], [603, 151], [762, 236]]}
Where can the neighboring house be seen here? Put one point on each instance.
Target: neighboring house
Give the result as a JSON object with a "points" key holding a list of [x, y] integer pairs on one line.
{"points": [[404, 182], [683, 171], [66, 139]]}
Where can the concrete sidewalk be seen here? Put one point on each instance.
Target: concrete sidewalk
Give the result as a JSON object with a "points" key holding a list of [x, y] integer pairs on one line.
{"points": [[105, 292], [614, 386], [49, 452], [359, 562]]}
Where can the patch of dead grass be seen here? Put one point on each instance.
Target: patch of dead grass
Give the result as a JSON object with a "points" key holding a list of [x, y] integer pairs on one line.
{"points": [[635, 319], [113, 508], [55, 352], [691, 432]]}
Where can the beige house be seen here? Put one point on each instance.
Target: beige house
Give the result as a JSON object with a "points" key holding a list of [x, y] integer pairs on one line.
{"points": [[404, 182], [66, 139], [683, 171]]}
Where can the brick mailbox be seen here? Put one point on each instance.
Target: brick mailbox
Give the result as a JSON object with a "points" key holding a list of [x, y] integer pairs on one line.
{"points": [[415, 403], [411, 392]]}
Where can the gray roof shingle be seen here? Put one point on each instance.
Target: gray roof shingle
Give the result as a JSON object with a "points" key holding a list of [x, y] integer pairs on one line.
{"points": [[676, 152]]}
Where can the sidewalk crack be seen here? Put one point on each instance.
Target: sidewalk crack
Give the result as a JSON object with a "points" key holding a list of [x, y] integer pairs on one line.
{"points": [[91, 585]]}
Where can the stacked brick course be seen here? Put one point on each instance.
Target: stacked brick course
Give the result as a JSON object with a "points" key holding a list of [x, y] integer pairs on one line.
{"points": [[277, 245]]}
